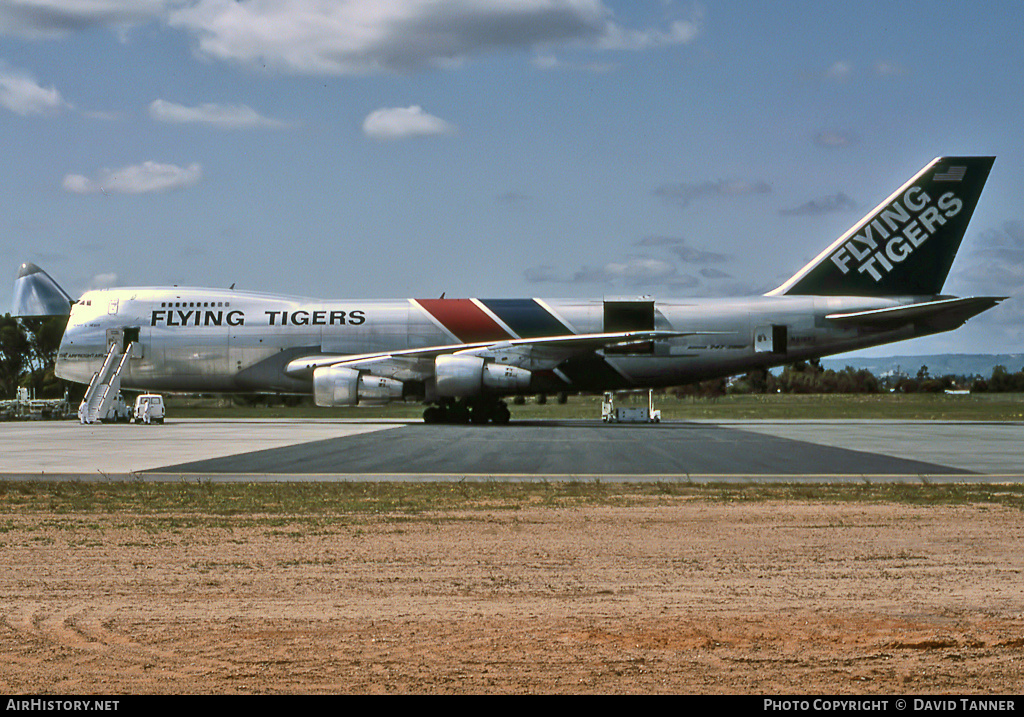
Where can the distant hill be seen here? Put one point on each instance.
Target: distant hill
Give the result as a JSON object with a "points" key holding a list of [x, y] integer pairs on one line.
{"points": [[938, 365]]}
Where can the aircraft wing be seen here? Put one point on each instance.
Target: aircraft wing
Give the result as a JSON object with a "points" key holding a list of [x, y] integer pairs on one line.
{"points": [[418, 363], [942, 314], [577, 343]]}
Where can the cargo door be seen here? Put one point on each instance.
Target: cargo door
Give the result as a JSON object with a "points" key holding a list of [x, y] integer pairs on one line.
{"points": [[771, 339], [115, 337], [629, 315]]}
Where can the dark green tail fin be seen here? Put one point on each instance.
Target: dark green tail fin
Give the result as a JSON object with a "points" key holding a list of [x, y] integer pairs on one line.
{"points": [[905, 246]]}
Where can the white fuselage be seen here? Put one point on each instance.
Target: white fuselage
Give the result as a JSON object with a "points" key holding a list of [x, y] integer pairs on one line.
{"points": [[218, 340]]}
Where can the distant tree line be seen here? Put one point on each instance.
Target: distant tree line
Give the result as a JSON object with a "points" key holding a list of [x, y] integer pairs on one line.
{"points": [[1001, 381], [28, 352], [810, 377]]}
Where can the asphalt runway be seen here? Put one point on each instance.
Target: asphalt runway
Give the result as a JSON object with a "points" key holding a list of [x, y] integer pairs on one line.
{"points": [[334, 449]]}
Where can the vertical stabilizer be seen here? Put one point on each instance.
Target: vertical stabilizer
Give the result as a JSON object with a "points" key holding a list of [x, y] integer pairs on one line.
{"points": [[906, 245]]}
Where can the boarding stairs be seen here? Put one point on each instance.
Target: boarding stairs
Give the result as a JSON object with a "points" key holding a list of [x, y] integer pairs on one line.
{"points": [[105, 385]]}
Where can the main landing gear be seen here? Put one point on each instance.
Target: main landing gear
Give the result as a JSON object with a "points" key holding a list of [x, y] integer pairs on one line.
{"points": [[478, 410]]}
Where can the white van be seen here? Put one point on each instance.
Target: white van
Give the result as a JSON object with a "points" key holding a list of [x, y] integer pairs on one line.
{"points": [[149, 408]]}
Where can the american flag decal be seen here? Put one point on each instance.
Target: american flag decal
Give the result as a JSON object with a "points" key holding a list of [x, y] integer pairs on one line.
{"points": [[953, 174]]}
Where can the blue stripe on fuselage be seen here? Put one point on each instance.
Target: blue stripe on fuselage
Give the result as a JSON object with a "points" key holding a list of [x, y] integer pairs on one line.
{"points": [[526, 318]]}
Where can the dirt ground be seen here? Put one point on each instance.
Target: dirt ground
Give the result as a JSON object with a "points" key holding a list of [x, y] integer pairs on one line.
{"points": [[694, 597]]}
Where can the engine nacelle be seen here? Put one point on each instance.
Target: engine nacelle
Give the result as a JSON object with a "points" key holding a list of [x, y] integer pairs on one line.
{"points": [[465, 376], [506, 378], [343, 386]]}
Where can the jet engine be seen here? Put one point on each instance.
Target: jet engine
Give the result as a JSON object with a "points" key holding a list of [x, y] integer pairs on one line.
{"points": [[465, 376], [343, 386]]}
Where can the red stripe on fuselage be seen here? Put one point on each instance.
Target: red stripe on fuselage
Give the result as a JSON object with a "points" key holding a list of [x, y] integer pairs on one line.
{"points": [[467, 321]]}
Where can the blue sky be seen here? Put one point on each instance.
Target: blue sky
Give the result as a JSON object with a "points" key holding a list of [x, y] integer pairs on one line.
{"points": [[498, 147]]}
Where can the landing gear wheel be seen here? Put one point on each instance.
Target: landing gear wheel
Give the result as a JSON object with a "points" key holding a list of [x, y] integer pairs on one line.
{"points": [[492, 410], [501, 415], [462, 412]]}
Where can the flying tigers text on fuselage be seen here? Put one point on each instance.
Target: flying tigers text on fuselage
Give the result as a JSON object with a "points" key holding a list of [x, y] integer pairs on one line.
{"points": [[207, 317]]}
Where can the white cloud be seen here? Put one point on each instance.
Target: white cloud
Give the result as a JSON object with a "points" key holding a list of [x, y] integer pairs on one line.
{"points": [[682, 250], [515, 199], [889, 69], [641, 271], [992, 264], [356, 37], [543, 274], [632, 274], [838, 202], [217, 115], [657, 268], [551, 62], [102, 115], [102, 281], [56, 18], [685, 192], [619, 38], [836, 138], [392, 123], [839, 70], [713, 273], [21, 94], [145, 178], [346, 37], [842, 70]]}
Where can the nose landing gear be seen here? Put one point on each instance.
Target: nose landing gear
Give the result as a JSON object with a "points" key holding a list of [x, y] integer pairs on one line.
{"points": [[477, 411]]}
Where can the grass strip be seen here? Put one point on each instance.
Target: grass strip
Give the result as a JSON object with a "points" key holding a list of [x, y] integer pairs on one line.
{"points": [[891, 406], [319, 500]]}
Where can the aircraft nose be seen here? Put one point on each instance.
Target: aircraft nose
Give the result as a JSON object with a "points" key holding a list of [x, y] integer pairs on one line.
{"points": [[77, 355]]}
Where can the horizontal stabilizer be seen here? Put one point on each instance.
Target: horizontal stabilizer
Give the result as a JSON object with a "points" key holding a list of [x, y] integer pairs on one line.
{"points": [[942, 315]]}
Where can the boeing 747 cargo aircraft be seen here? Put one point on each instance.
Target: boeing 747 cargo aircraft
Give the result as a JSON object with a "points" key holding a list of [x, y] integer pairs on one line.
{"points": [[879, 282]]}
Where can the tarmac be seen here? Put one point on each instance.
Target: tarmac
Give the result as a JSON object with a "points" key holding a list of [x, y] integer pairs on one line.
{"points": [[553, 450]]}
